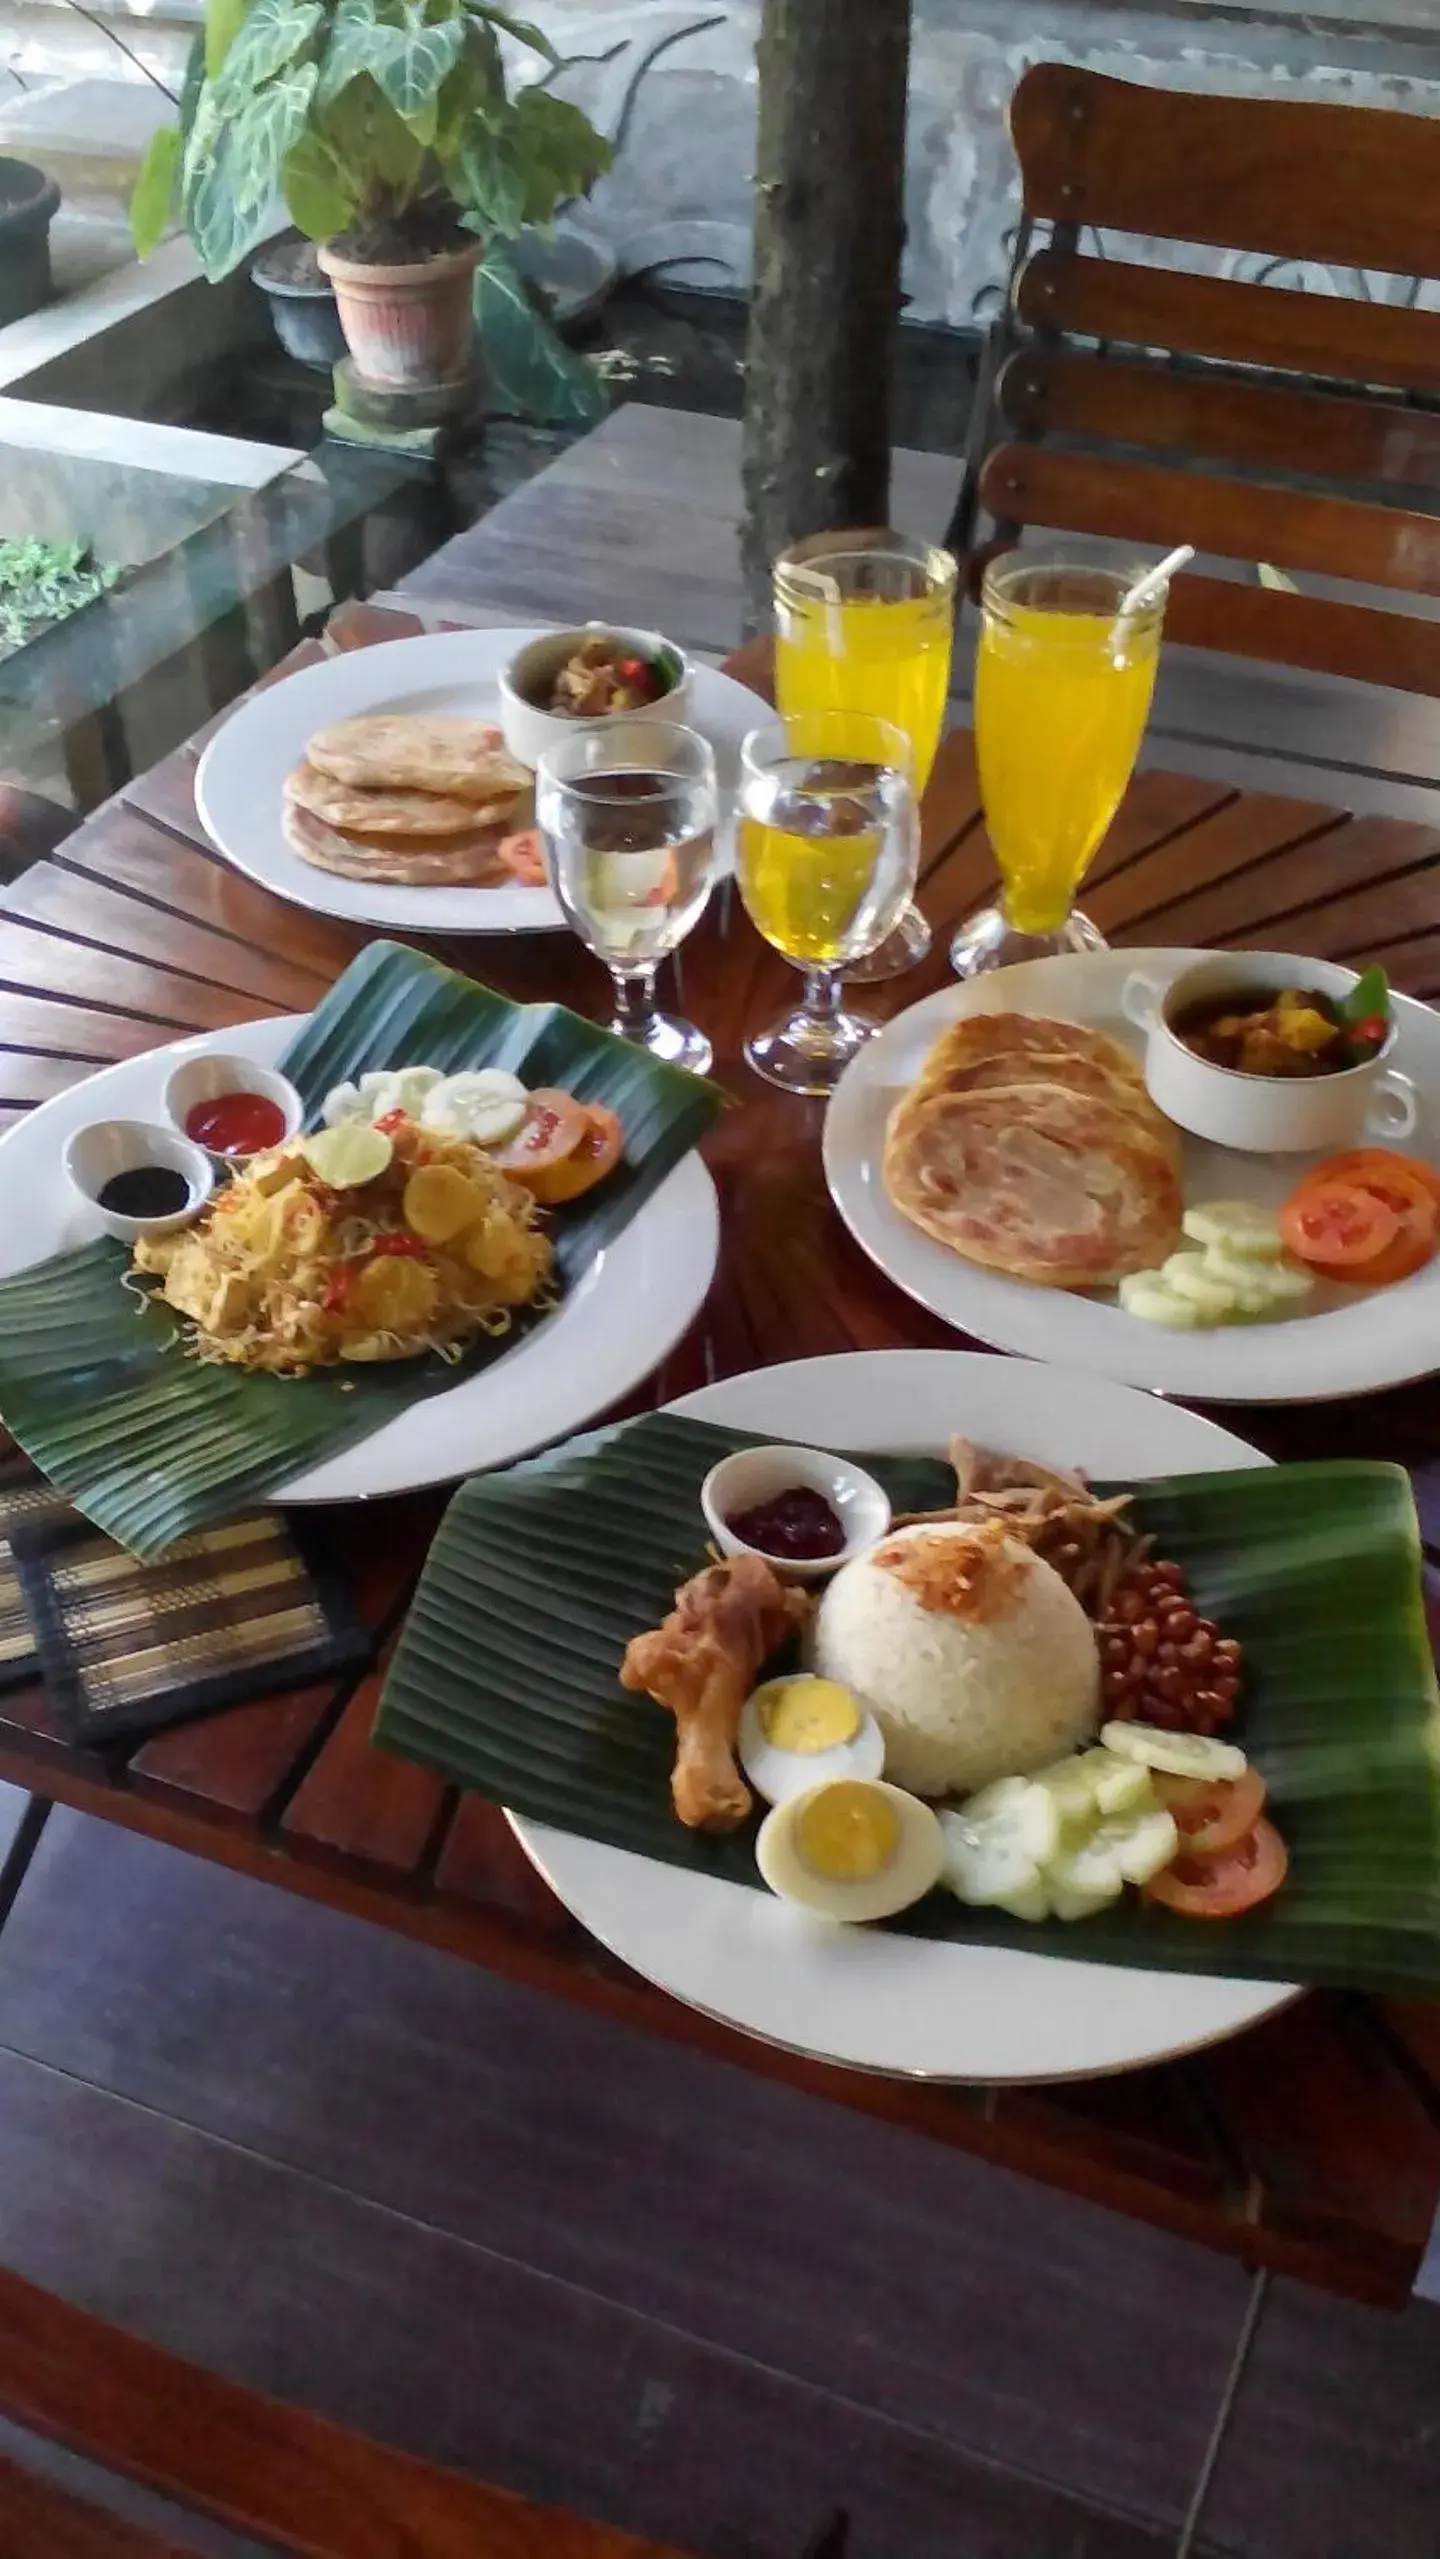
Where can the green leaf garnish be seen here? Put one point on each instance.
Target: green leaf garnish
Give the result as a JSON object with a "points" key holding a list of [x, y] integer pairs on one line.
{"points": [[1369, 996]]}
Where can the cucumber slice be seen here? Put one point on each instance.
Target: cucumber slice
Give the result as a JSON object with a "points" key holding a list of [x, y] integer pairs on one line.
{"points": [[1069, 1784], [1015, 1808], [1191, 1276], [405, 1091], [1028, 1901], [994, 1846], [1179, 1754], [1126, 1851], [1119, 1785], [484, 1104], [1086, 1880], [343, 1102], [1143, 1844], [1235, 1227], [1275, 1283], [1147, 1295]]}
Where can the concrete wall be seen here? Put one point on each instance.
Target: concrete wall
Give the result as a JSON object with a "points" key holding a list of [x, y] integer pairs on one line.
{"points": [[673, 81]]}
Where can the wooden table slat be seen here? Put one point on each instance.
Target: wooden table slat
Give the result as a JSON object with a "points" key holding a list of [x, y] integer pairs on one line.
{"points": [[233, 1766], [1304, 893], [80, 906], [37, 962], [359, 1807], [26, 1078], [1244, 831], [1157, 809], [187, 882]]}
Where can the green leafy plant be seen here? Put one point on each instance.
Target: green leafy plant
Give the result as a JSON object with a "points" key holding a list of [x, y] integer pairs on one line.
{"points": [[41, 582], [383, 125]]}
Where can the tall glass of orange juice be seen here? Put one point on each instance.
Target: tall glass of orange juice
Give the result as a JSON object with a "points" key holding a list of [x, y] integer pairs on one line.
{"points": [[864, 622], [1063, 680]]}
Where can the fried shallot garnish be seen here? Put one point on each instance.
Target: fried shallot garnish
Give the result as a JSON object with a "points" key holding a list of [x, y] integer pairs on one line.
{"points": [[702, 1663]]}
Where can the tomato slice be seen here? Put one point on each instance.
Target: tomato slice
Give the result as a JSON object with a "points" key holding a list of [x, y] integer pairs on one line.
{"points": [[1337, 1223], [1368, 1165], [1221, 1886], [1212, 1817], [597, 1154], [1412, 1249], [552, 1128], [524, 857]]}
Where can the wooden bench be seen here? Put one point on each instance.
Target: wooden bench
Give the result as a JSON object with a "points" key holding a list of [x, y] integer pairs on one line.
{"points": [[290, 2479]]}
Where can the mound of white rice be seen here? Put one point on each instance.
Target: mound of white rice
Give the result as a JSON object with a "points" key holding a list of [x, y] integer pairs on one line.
{"points": [[975, 1658]]}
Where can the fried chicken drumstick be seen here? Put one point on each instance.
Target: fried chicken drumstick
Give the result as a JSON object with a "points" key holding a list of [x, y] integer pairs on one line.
{"points": [[701, 1664]]}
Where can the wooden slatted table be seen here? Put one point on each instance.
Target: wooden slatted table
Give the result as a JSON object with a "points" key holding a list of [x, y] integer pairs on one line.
{"points": [[1314, 2145]]}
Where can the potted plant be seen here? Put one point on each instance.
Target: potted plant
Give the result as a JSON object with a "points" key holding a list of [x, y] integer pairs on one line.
{"points": [[388, 131], [29, 202]]}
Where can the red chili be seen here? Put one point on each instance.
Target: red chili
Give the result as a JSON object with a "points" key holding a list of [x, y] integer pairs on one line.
{"points": [[337, 1295], [632, 669], [392, 1121], [392, 1247], [1373, 1028]]}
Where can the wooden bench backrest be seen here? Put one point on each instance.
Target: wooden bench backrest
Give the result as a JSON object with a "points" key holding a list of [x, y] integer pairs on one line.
{"points": [[291, 2479], [1121, 439]]}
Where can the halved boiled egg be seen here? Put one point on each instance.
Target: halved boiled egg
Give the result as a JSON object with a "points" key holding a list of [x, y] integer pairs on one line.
{"points": [[853, 1849], [795, 1733]]}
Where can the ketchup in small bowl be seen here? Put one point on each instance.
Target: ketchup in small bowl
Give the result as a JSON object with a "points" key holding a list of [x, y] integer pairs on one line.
{"points": [[232, 1107], [236, 1124]]}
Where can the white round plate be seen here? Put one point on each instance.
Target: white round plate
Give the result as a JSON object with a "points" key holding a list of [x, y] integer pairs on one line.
{"points": [[239, 788], [632, 1305], [859, 1995], [1344, 1342]]}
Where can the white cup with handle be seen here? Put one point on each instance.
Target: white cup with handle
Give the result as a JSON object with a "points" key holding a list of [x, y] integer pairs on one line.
{"points": [[1264, 1114]]}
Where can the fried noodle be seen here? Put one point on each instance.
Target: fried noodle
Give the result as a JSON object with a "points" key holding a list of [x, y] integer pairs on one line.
{"points": [[284, 1274]]}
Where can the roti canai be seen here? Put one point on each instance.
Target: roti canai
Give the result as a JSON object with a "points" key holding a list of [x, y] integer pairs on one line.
{"points": [[1033, 1148], [418, 751]]}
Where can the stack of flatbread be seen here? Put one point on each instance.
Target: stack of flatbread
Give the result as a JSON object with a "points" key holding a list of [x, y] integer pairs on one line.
{"points": [[1033, 1147], [419, 801]]}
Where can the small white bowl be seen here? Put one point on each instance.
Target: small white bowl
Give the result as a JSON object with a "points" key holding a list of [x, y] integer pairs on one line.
{"points": [[94, 1155], [529, 729], [208, 1079], [1264, 1114], [754, 1475]]}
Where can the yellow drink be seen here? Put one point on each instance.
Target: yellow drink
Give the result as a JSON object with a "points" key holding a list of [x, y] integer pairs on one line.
{"points": [[805, 891], [888, 656], [1062, 695]]}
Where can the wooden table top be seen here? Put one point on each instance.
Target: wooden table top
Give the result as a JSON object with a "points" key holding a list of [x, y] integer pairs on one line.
{"points": [[1313, 2144]]}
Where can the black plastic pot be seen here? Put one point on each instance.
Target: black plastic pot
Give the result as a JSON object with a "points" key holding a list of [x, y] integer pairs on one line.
{"points": [[29, 202], [302, 303]]}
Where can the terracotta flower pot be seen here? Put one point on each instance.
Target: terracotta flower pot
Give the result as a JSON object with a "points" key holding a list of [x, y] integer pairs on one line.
{"points": [[407, 327]]}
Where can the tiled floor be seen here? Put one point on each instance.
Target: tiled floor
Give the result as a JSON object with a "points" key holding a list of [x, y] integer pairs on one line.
{"points": [[624, 2277]]}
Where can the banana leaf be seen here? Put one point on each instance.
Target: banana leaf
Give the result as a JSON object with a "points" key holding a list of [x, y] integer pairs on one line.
{"points": [[505, 1681], [151, 1445]]}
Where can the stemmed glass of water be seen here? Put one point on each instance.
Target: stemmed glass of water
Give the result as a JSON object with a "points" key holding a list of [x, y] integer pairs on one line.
{"points": [[628, 814]]}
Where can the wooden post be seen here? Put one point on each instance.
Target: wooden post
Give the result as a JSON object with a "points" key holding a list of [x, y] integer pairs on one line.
{"points": [[829, 229]]}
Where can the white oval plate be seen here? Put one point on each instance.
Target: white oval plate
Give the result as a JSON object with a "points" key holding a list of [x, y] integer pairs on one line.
{"points": [[630, 1308], [856, 1995], [239, 788], [1342, 1343]]}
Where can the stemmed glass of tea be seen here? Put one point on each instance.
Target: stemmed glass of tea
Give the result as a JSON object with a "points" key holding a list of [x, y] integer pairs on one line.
{"points": [[628, 815], [829, 841]]}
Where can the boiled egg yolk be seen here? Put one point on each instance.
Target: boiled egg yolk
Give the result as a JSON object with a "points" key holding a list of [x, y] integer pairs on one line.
{"points": [[807, 1715], [846, 1833]]}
